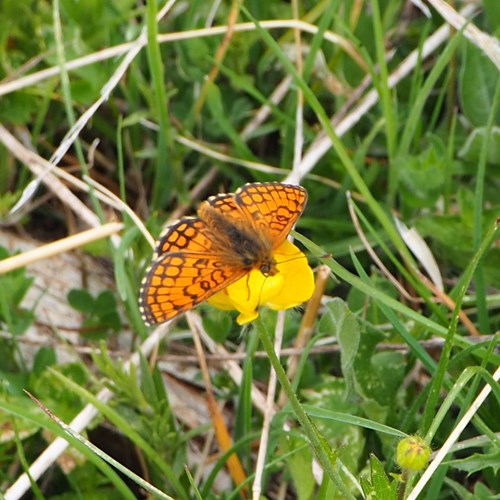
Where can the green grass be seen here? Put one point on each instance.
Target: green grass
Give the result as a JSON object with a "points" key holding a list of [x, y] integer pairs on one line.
{"points": [[379, 362]]}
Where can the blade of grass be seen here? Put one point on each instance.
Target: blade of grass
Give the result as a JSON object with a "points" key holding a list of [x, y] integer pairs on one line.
{"points": [[381, 82], [66, 90], [243, 420], [244, 442], [35, 489], [126, 281], [417, 284], [415, 115], [444, 359], [453, 437], [479, 278], [99, 453], [270, 466], [215, 104], [358, 283], [44, 422], [120, 423], [353, 420], [452, 398], [339, 148], [417, 349], [168, 174]]}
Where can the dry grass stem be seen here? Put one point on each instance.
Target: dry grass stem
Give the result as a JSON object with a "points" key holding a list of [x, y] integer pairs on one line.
{"points": [[121, 206], [109, 86], [57, 247], [109, 53], [221, 432], [488, 44], [40, 167]]}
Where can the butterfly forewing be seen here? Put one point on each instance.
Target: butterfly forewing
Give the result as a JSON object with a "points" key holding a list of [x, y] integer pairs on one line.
{"points": [[274, 207], [188, 233]]}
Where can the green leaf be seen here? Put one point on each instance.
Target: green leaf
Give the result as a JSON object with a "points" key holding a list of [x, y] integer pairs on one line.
{"points": [[13, 288], [15, 282], [81, 300], [18, 108], [478, 462], [492, 13], [422, 176], [380, 487], [477, 85], [482, 492], [105, 302], [300, 466], [471, 150], [339, 321], [46, 356]]}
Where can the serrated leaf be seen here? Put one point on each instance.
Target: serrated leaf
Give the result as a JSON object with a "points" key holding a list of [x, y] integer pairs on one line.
{"points": [[478, 462]]}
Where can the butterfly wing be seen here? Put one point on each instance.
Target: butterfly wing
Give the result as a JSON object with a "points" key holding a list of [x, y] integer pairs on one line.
{"points": [[186, 233], [186, 270], [191, 264], [272, 206]]}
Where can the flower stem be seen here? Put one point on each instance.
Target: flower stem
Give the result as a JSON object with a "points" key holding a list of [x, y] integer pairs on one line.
{"points": [[324, 453]]}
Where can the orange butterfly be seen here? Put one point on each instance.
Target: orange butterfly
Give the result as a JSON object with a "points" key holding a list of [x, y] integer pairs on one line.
{"points": [[232, 234]]}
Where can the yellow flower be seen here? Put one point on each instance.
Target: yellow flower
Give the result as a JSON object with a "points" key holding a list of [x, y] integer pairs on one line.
{"points": [[292, 285]]}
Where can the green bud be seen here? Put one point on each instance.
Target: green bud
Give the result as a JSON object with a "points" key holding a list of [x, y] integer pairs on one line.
{"points": [[413, 453]]}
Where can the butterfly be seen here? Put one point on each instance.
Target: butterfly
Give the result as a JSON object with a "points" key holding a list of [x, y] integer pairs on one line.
{"points": [[232, 234]]}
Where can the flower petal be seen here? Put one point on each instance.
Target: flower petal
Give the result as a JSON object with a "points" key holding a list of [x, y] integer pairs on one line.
{"points": [[291, 286]]}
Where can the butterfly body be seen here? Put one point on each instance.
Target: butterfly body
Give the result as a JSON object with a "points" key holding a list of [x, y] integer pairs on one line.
{"points": [[244, 247], [232, 234]]}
